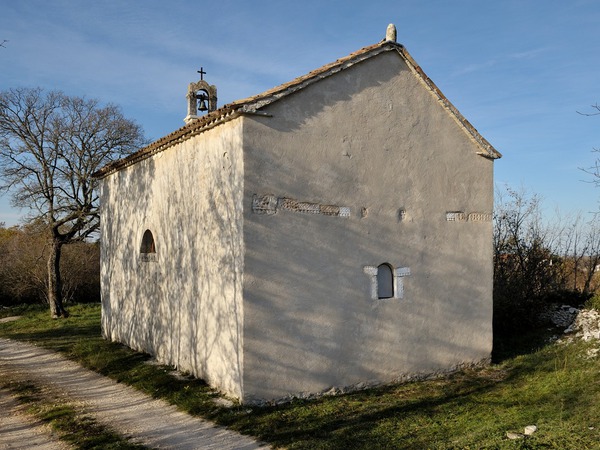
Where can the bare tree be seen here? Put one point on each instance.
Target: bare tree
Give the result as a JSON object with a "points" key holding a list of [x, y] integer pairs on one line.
{"points": [[573, 245], [50, 145], [591, 264], [579, 242], [594, 169], [596, 113], [526, 266]]}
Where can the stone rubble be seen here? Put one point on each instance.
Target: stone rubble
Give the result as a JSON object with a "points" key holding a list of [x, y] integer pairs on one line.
{"points": [[528, 431], [586, 325], [560, 316], [513, 436]]}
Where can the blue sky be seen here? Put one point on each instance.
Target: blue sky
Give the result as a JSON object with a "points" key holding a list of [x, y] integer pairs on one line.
{"points": [[518, 70]]}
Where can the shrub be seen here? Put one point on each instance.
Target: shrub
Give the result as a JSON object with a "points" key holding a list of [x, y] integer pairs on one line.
{"points": [[593, 302], [23, 274]]}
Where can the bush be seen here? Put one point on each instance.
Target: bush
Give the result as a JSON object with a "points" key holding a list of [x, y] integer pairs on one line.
{"points": [[567, 297], [536, 264], [23, 274], [593, 302], [525, 268]]}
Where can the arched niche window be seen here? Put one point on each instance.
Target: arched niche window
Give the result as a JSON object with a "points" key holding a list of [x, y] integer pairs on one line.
{"points": [[385, 281], [148, 247]]}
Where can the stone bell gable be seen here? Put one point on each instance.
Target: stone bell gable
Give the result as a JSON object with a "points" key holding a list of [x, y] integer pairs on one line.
{"points": [[333, 231]]}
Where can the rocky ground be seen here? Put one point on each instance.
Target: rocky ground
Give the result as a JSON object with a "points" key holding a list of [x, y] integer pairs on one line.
{"points": [[581, 324], [585, 326]]}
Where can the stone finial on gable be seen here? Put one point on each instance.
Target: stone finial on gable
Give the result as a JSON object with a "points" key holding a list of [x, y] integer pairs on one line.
{"points": [[390, 33]]}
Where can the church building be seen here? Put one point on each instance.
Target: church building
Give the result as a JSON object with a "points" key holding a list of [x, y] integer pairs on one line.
{"points": [[332, 232]]}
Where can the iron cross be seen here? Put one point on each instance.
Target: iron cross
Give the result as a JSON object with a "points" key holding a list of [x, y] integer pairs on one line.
{"points": [[202, 73]]}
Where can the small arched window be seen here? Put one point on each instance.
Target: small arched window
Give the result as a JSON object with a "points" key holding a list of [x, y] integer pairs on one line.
{"points": [[148, 245], [385, 281]]}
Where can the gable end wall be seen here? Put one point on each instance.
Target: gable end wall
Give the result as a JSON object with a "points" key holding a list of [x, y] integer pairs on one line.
{"points": [[374, 140]]}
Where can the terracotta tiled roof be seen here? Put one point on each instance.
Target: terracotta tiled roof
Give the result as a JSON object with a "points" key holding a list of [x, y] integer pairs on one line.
{"points": [[254, 104]]}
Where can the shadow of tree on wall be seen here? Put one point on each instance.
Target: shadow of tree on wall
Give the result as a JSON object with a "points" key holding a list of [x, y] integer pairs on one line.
{"points": [[331, 333], [310, 320], [124, 298], [182, 305]]}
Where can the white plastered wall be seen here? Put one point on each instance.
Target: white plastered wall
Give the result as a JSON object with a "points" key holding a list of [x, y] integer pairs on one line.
{"points": [[373, 139], [184, 305]]}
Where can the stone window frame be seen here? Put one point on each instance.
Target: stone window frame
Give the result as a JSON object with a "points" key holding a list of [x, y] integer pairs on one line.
{"points": [[397, 273]]}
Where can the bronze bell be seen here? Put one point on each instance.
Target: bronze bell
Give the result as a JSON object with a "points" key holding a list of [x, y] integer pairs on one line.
{"points": [[202, 106]]}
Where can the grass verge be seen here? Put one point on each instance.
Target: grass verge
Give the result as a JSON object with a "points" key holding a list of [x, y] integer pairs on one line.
{"points": [[556, 388], [70, 422]]}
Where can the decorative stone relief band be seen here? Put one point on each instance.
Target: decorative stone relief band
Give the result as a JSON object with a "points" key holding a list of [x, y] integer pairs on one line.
{"points": [[456, 216], [270, 204], [264, 204], [461, 216], [480, 217]]}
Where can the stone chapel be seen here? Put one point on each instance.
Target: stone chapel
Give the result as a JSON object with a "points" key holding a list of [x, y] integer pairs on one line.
{"points": [[334, 231]]}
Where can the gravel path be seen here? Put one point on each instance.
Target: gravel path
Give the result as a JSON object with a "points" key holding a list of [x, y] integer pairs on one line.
{"points": [[20, 431], [144, 420]]}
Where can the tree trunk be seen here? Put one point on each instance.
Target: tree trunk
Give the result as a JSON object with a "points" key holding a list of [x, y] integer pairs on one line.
{"points": [[54, 281]]}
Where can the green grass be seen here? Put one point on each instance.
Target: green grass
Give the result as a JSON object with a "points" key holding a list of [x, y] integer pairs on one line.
{"points": [[556, 387]]}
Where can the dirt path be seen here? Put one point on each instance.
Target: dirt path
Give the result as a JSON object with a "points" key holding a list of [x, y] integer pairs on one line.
{"points": [[144, 420]]}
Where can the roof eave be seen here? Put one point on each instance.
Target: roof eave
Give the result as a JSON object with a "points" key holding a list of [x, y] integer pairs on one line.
{"points": [[198, 126], [487, 150]]}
